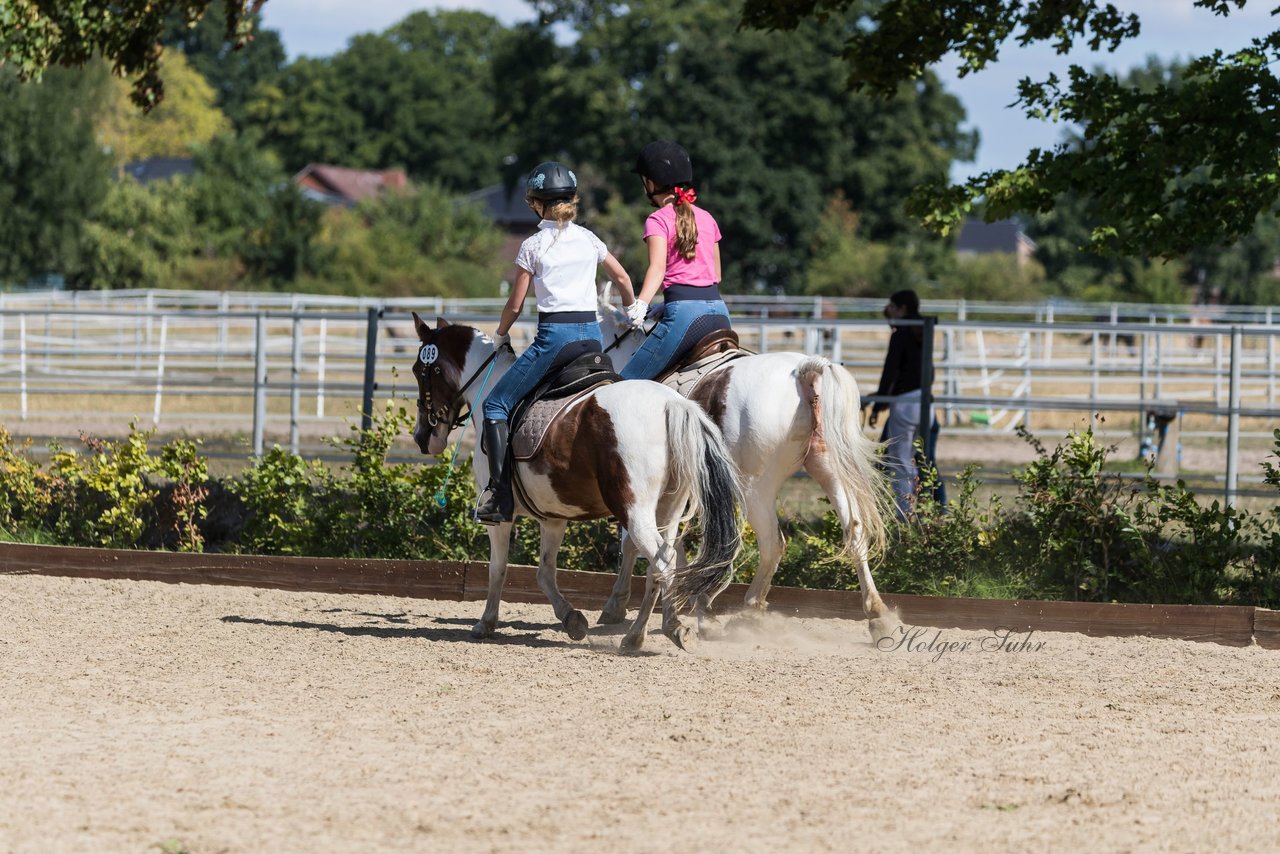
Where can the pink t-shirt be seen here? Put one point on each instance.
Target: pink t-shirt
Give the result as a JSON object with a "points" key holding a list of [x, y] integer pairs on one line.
{"points": [[701, 271]]}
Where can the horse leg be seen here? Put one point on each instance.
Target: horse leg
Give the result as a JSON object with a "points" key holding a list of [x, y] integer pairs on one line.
{"points": [[880, 620], [575, 624], [615, 608], [762, 514], [653, 546], [672, 626], [499, 547]]}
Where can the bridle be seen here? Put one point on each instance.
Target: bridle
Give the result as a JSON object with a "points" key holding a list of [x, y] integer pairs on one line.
{"points": [[436, 415]]}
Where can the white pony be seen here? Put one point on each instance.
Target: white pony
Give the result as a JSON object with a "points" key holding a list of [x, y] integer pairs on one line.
{"points": [[633, 450], [780, 412]]}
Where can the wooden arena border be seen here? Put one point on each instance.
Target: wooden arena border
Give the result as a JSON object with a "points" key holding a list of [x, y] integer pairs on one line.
{"points": [[468, 580]]}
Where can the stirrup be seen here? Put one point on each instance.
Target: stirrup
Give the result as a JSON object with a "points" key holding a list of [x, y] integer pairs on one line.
{"points": [[492, 511]]}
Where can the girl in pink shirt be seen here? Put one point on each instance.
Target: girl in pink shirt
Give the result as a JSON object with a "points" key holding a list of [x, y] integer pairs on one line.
{"points": [[684, 261]]}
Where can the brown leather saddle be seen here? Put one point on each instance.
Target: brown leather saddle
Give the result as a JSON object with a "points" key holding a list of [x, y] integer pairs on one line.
{"points": [[713, 350]]}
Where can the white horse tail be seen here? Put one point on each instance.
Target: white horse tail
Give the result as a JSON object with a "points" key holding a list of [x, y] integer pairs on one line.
{"points": [[703, 468], [837, 430]]}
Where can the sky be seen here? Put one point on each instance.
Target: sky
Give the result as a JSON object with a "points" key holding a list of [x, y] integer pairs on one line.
{"points": [[1171, 29]]}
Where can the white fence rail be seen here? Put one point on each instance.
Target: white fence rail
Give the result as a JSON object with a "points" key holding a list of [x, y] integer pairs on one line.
{"points": [[292, 368]]}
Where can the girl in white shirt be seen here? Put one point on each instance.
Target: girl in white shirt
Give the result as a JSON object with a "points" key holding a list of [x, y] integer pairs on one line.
{"points": [[560, 262]]}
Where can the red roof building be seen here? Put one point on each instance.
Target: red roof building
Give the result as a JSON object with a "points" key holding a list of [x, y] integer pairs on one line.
{"points": [[337, 185]]}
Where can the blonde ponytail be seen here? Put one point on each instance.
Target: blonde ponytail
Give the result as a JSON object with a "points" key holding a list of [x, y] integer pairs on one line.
{"points": [[686, 224]]}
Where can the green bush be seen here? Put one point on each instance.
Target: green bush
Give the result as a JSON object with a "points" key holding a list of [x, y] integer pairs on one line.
{"points": [[1074, 530], [278, 492]]}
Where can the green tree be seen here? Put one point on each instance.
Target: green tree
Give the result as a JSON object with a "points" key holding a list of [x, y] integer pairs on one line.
{"points": [[140, 236], [1239, 272], [1166, 168], [844, 263], [304, 115], [244, 206], [234, 71], [188, 117], [53, 175], [35, 34], [409, 244], [772, 130], [420, 96]]}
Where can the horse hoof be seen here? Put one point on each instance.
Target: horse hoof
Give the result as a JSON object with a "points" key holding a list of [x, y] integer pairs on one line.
{"points": [[680, 636], [610, 618], [632, 644], [881, 627], [575, 625], [710, 628], [480, 631]]}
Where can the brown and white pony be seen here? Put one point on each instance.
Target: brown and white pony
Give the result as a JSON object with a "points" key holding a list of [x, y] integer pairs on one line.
{"points": [[634, 450], [780, 412]]}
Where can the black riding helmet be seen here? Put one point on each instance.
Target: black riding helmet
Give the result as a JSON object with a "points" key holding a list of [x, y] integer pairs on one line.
{"points": [[665, 163], [550, 181]]}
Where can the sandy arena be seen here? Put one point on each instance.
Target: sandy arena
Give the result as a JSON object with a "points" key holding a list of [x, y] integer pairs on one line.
{"points": [[141, 716]]}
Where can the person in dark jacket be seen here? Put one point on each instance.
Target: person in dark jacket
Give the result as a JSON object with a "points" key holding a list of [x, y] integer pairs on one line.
{"points": [[900, 379]]}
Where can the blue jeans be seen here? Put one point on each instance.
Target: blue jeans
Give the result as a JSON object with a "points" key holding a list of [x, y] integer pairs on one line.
{"points": [[899, 454], [534, 364], [664, 341]]}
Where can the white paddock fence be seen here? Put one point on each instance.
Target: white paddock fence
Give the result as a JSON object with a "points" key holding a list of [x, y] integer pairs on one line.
{"points": [[296, 368]]}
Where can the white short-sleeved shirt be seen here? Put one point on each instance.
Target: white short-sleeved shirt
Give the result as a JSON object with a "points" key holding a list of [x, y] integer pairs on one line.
{"points": [[563, 262]]}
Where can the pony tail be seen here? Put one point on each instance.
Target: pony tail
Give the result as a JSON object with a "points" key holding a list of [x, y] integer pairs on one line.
{"points": [[686, 229]]}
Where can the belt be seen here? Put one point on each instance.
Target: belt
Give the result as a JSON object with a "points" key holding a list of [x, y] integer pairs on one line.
{"points": [[699, 292], [567, 317]]}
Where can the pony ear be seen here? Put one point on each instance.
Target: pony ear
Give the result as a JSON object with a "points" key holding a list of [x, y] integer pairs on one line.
{"points": [[420, 325], [441, 323], [603, 291]]}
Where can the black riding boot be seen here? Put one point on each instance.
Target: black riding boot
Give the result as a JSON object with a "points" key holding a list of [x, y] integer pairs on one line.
{"points": [[498, 505]]}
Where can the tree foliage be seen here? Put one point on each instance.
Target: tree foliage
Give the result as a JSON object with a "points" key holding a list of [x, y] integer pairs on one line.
{"points": [[1166, 169], [35, 35], [420, 96], [52, 173], [140, 237], [233, 70], [771, 128], [188, 117], [404, 244]]}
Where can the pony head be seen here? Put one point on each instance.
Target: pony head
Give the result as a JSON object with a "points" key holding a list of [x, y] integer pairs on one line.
{"points": [[442, 358]]}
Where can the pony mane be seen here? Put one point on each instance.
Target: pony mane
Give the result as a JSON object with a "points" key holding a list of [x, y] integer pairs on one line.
{"points": [[613, 314]]}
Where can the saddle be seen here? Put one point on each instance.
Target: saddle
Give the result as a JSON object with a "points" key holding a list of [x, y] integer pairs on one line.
{"points": [[561, 390], [712, 351]]}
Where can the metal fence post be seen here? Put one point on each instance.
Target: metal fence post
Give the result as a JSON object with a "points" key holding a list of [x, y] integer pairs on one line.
{"points": [[926, 387], [164, 338], [295, 389], [1142, 392], [320, 354], [1093, 381], [1233, 415], [259, 381], [370, 364], [22, 361]]}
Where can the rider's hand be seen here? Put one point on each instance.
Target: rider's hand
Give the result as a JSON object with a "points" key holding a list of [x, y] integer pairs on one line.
{"points": [[503, 340], [637, 311]]}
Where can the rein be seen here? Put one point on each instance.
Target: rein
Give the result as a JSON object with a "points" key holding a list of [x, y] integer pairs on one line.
{"points": [[622, 336], [462, 420]]}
